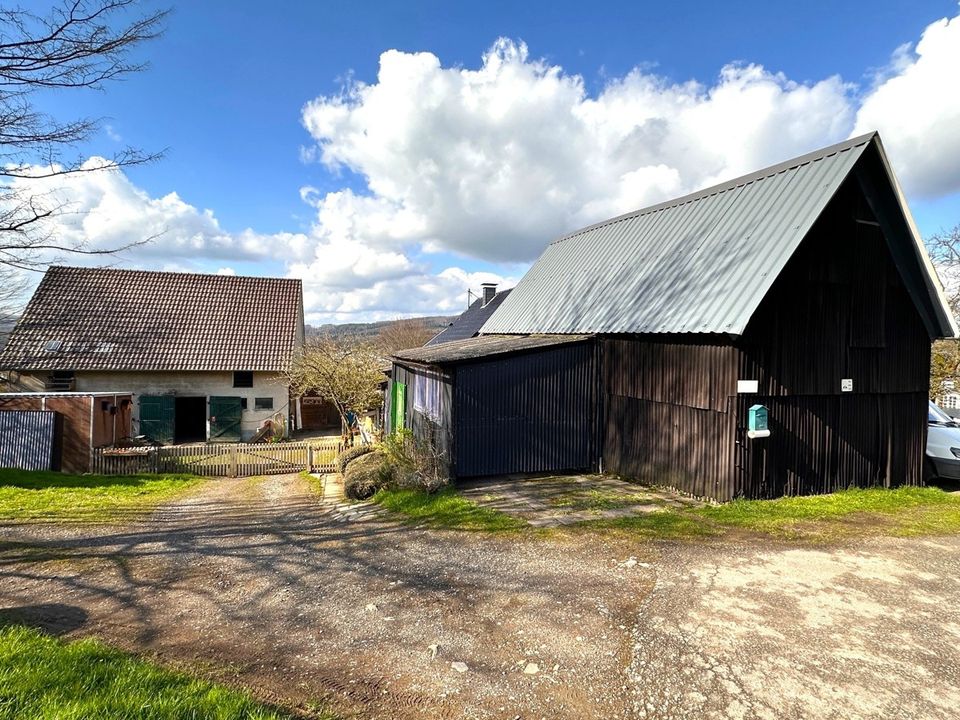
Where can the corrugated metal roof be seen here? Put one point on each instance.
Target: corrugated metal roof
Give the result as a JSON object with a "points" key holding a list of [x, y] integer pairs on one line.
{"points": [[698, 264], [484, 346], [470, 322]]}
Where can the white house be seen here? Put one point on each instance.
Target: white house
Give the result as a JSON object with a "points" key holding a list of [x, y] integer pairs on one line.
{"points": [[202, 355]]}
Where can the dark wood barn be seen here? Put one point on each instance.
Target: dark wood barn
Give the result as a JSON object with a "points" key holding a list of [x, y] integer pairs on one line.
{"points": [[803, 288]]}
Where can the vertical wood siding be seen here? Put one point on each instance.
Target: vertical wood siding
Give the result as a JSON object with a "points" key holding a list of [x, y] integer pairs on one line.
{"points": [[527, 413], [669, 417], [839, 310]]}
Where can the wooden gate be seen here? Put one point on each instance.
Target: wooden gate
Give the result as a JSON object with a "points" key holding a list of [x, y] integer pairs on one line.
{"points": [[221, 459]]}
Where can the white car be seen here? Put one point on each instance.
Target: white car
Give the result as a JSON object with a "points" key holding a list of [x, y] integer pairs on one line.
{"points": [[943, 445]]}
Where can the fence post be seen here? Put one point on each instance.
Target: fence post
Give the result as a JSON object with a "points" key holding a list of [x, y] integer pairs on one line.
{"points": [[309, 458], [232, 472]]}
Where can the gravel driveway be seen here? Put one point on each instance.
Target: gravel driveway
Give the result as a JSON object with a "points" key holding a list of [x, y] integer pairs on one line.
{"points": [[257, 582]]}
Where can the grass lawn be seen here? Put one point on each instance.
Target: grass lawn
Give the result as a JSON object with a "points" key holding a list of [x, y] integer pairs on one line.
{"points": [[849, 513], [43, 678], [446, 509], [31, 495]]}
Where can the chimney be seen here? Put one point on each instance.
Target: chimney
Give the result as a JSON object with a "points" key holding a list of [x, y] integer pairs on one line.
{"points": [[489, 290]]}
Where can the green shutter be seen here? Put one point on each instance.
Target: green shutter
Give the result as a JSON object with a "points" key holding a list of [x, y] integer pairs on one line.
{"points": [[398, 406], [157, 417], [225, 414]]}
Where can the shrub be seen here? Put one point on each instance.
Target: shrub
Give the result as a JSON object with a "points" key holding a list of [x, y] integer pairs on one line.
{"points": [[350, 454], [367, 474], [417, 463]]}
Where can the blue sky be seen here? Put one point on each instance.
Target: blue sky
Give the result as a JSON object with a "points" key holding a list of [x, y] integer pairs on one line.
{"points": [[229, 81]]}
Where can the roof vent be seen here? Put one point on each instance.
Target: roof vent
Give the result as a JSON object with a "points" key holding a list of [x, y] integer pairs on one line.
{"points": [[52, 345], [489, 292]]}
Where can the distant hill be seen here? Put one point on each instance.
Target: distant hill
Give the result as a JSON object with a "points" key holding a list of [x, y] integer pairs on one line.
{"points": [[435, 323]]}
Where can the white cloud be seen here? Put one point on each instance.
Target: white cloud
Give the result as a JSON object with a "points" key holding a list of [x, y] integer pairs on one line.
{"points": [[915, 105], [495, 162], [418, 293], [102, 209]]}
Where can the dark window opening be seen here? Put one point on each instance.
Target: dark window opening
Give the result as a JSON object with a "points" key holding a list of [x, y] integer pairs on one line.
{"points": [[243, 379], [263, 404], [190, 419], [243, 403]]}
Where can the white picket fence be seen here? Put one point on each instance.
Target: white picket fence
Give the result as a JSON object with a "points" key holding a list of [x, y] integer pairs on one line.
{"points": [[220, 459]]}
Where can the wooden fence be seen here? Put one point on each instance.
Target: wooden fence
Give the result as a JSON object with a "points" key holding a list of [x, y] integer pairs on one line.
{"points": [[220, 459]]}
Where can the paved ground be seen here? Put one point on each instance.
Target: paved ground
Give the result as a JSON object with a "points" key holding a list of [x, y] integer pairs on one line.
{"points": [[565, 500], [256, 582]]}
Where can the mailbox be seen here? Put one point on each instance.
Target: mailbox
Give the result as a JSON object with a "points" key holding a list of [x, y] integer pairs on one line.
{"points": [[757, 422]]}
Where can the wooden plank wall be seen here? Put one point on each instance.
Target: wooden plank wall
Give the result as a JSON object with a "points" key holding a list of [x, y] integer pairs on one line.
{"points": [[839, 310], [669, 419]]}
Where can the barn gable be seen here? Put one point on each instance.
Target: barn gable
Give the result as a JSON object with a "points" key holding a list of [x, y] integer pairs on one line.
{"points": [[703, 263]]}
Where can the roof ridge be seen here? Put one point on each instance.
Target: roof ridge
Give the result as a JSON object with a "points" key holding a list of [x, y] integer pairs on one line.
{"points": [[727, 185], [179, 273]]}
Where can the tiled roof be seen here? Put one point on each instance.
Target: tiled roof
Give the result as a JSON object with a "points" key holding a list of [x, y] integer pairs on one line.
{"points": [[108, 319], [469, 323]]}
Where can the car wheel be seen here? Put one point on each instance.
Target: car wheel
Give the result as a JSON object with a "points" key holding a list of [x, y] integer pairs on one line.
{"points": [[929, 471]]}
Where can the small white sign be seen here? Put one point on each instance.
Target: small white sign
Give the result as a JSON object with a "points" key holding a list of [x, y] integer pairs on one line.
{"points": [[846, 385], [748, 386]]}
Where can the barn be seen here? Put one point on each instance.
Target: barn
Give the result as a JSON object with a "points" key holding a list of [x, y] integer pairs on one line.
{"points": [[767, 336]]}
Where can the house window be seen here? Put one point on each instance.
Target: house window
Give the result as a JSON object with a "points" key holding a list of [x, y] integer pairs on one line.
{"points": [[263, 403], [243, 379]]}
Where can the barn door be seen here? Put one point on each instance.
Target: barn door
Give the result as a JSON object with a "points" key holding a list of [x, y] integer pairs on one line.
{"points": [[225, 413], [398, 407], [156, 417]]}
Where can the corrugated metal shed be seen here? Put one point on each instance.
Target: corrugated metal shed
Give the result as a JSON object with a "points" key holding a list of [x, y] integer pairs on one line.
{"points": [[698, 264], [483, 347], [30, 439]]}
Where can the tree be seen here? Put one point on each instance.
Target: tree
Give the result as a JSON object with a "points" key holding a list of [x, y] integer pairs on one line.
{"points": [[346, 373], [76, 44], [404, 333], [944, 250]]}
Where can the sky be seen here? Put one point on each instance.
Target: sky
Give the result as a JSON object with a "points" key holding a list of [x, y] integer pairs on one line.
{"points": [[395, 155]]}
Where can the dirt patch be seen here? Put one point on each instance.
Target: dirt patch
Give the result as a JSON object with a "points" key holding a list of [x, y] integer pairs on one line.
{"points": [[259, 583], [866, 631]]}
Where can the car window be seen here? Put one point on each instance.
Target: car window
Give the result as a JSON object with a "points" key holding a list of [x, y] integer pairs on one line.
{"points": [[935, 414]]}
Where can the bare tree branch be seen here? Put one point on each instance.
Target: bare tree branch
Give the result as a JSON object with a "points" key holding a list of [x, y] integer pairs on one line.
{"points": [[72, 45]]}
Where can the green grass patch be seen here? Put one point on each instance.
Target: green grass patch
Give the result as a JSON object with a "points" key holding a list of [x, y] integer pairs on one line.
{"points": [[662, 524], [855, 511], [43, 678], [446, 509], [850, 513], [35, 496], [599, 499]]}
